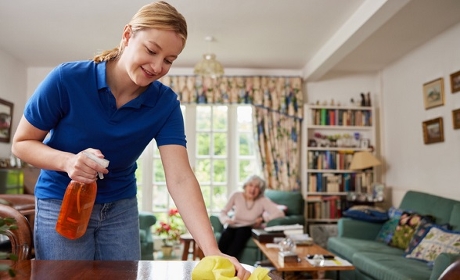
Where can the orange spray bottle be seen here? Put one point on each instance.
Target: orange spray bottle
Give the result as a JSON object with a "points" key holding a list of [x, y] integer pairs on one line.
{"points": [[77, 205]]}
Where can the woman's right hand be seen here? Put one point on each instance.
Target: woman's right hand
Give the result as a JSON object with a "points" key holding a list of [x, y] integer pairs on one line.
{"points": [[83, 169]]}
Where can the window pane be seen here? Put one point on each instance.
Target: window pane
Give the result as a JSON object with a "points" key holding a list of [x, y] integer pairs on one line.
{"points": [[246, 144], [159, 174], [219, 118], [246, 168], [203, 143], [206, 190], [203, 170], [219, 198], [220, 171], [160, 198], [203, 117], [244, 118], [220, 144]]}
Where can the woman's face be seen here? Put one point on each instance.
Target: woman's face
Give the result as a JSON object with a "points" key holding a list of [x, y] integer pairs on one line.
{"points": [[252, 190], [149, 53]]}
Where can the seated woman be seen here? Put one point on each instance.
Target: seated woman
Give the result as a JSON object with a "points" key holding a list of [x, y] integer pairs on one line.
{"points": [[250, 209]]}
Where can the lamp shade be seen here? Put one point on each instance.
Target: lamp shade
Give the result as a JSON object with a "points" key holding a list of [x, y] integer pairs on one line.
{"points": [[209, 67], [363, 160]]}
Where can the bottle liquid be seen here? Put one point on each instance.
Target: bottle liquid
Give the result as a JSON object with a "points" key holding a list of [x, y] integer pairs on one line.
{"points": [[77, 205]]}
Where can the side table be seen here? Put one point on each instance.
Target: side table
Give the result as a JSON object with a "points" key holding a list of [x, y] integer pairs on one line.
{"points": [[188, 241]]}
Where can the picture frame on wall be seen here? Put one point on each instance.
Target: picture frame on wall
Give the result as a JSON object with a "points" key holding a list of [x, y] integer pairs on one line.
{"points": [[433, 131], [364, 143], [456, 118], [455, 82], [433, 93], [6, 119]]}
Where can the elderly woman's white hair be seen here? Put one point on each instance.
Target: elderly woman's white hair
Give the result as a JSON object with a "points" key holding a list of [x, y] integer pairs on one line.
{"points": [[259, 181]]}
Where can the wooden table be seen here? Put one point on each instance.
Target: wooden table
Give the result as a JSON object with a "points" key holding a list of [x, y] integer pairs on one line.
{"points": [[303, 265], [103, 270], [188, 241]]}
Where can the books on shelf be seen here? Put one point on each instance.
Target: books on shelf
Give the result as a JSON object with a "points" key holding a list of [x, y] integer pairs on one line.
{"points": [[329, 160], [324, 207], [341, 117]]}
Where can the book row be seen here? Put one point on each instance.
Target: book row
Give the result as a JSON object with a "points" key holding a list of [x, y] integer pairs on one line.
{"points": [[324, 207], [329, 160], [341, 117], [344, 182]]}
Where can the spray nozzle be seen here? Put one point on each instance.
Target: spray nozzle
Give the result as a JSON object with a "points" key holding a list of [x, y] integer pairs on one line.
{"points": [[101, 161]]}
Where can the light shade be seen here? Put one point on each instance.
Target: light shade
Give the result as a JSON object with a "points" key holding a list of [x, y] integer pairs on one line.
{"points": [[363, 160], [209, 67]]}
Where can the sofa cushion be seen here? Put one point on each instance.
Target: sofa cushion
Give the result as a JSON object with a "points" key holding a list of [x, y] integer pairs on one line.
{"points": [[367, 213], [407, 225], [454, 221], [347, 247], [386, 232], [384, 266], [421, 232], [292, 199], [436, 241]]}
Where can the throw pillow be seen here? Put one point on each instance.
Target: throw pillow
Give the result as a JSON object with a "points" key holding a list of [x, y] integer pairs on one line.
{"points": [[422, 229], [386, 232], [406, 229], [367, 213], [436, 241]]}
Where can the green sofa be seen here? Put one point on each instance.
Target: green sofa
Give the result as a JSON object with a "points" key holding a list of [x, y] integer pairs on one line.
{"points": [[146, 221], [294, 215], [356, 242]]}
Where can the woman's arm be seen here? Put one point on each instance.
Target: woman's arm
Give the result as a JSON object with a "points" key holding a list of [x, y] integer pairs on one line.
{"points": [[28, 146], [186, 193], [271, 210], [223, 217]]}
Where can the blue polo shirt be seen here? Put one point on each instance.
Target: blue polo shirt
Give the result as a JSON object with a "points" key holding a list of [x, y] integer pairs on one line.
{"points": [[75, 104]]}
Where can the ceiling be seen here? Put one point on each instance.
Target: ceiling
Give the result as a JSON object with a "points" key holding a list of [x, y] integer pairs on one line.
{"points": [[311, 38]]}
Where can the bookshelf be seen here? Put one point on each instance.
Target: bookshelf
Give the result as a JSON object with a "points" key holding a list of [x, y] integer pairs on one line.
{"points": [[331, 135]]}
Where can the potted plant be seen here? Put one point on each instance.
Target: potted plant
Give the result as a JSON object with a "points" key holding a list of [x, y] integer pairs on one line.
{"points": [[171, 231]]}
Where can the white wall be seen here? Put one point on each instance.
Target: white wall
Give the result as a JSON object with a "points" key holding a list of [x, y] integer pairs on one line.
{"points": [[13, 89], [433, 168]]}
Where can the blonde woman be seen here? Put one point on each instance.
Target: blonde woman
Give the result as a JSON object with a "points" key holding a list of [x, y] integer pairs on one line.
{"points": [[112, 106]]}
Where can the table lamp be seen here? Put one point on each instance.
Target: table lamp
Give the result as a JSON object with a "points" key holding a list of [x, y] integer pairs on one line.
{"points": [[364, 161]]}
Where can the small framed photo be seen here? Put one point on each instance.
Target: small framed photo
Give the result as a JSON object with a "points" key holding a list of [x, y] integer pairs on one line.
{"points": [[364, 143], [455, 81], [433, 131], [456, 118], [433, 93]]}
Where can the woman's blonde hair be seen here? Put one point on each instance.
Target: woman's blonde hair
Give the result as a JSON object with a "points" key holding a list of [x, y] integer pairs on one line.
{"points": [[159, 15], [260, 183]]}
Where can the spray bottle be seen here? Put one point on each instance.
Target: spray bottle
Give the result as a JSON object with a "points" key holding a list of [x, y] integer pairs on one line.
{"points": [[77, 204]]}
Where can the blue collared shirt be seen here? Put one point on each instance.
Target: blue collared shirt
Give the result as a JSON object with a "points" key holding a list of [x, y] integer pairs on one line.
{"points": [[75, 104]]}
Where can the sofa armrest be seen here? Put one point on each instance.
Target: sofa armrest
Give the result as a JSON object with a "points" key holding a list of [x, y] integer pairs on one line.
{"points": [[287, 220], [441, 263], [146, 220], [358, 229]]}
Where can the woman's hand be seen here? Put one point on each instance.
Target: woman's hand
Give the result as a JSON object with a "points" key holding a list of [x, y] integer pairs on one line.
{"points": [[83, 169], [240, 271], [258, 222]]}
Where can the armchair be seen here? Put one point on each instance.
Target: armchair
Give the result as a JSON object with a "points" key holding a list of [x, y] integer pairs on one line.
{"points": [[146, 221]]}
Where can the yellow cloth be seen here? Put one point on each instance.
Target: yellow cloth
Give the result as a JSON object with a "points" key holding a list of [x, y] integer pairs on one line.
{"points": [[220, 268]]}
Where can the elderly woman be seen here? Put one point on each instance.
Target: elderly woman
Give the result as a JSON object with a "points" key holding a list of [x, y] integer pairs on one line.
{"points": [[249, 209]]}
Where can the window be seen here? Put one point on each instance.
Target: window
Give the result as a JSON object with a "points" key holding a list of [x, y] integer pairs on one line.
{"points": [[222, 153]]}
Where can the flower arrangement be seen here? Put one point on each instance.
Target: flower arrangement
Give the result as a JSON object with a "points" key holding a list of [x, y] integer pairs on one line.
{"points": [[172, 230]]}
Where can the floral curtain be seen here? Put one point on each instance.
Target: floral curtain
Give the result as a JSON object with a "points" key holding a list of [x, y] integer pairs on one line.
{"points": [[277, 113]]}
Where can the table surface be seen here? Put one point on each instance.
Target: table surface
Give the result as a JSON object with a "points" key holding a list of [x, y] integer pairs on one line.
{"points": [[302, 252], [103, 270]]}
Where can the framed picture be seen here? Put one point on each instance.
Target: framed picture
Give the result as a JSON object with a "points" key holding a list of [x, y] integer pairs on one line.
{"points": [[6, 117], [455, 81], [433, 93], [456, 118], [364, 143], [433, 131]]}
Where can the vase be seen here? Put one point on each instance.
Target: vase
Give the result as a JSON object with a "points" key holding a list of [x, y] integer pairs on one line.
{"points": [[167, 251]]}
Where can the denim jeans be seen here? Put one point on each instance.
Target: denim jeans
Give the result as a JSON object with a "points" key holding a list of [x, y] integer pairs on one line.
{"points": [[112, 233]]}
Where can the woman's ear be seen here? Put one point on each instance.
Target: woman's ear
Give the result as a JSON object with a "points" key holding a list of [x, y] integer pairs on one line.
{"points": [[127, 34]]}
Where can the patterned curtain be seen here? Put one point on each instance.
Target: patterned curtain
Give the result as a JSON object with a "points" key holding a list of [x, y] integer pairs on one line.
{"points": [[277, 114]]}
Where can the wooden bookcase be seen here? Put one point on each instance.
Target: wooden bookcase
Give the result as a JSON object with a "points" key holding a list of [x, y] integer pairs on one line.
{"points": [[331, 135]]}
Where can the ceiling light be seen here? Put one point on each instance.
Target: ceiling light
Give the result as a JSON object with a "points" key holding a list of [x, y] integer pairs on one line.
{"points": [[209, 66]]}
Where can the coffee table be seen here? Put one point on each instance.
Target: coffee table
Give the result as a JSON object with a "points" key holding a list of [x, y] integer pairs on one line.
{"points": [[303, 265]]}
